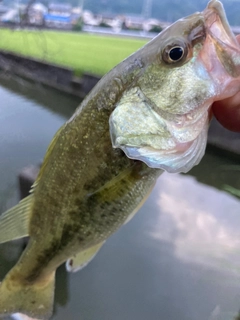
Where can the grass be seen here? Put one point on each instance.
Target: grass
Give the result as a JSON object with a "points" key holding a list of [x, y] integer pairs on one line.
{"points": [[82, 52]]}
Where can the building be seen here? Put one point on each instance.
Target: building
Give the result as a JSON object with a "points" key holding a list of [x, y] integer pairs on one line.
{"points": [[11, 16], [90, 19], [60, 9], [3, 9], [133, 22], [109, 20], [59, 16], [152, 24], [36, 14]]}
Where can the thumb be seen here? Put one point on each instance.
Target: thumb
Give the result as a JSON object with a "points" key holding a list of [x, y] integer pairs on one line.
{"points": [[227, 111]]}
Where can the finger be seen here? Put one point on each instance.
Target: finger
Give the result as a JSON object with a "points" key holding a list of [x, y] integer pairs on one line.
{"points": [[238, 38], [227, 112]]}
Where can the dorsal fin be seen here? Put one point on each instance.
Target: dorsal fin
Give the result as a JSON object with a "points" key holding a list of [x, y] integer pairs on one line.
{"points": [[14, 223]]}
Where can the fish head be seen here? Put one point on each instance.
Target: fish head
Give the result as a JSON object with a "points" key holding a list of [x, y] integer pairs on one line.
{"points": [[162, 119]]}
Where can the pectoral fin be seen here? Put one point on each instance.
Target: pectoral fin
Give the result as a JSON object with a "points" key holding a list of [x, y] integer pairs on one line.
{"points": [[80, 260], [14, 223]]}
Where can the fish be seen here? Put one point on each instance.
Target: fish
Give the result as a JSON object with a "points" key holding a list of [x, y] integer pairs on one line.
{"points": [[149, 114]]}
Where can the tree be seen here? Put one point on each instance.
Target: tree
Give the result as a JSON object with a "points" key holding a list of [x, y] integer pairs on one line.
{"points": [[25, 16]]}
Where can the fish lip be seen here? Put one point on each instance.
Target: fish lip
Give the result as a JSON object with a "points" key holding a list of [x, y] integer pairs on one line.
{"points": [[214, 15]]}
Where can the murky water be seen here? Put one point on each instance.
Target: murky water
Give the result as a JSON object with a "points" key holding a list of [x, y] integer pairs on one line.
{"points": [[178, 259]]}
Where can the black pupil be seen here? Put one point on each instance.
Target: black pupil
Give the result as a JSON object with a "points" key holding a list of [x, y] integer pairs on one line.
{"points": [[176, 53]]}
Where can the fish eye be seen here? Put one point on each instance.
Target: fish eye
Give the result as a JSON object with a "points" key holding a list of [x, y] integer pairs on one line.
{"points": [[174, 53]]}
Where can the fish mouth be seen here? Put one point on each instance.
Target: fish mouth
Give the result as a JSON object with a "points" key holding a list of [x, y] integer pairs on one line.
{"points": [[217, 24], [221, 52]]}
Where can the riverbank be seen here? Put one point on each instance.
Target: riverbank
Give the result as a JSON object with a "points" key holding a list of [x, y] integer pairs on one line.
{"points": [[82, 52], [49, 74]]}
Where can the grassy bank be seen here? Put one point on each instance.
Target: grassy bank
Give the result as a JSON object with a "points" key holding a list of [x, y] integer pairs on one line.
{"points": [[82, 52]]}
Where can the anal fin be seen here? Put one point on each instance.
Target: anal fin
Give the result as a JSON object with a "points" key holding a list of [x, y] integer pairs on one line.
{"points": [[14, 223], [81, 259]]}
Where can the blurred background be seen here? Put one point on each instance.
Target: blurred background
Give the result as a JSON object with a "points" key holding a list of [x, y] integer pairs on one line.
{"points": [[179, 258]]}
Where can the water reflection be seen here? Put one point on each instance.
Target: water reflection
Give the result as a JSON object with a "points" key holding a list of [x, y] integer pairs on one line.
{"points": [[200, 222], [59, 103], [29, 117], [218, 169]]}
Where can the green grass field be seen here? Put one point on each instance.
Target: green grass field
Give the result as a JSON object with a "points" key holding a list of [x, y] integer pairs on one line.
{"points": [[80, 51]]}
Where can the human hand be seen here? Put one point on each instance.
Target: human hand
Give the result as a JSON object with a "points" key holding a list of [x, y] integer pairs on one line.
{"points": [[227, 111]]}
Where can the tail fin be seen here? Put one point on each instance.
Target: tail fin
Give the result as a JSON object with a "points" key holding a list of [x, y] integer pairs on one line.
{"points": [[34, 300]]}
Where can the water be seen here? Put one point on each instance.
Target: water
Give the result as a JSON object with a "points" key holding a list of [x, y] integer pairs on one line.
{"points": [[30, 115], [178, 259]]}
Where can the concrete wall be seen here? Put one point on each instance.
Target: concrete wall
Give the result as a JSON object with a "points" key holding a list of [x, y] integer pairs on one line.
{"points": [[52, 75]]}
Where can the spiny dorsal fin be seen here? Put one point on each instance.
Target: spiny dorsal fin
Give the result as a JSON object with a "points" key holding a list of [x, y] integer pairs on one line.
{"points": [[81, 259], [14, 223]]}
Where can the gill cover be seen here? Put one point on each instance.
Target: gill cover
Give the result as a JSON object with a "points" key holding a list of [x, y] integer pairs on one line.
{"points": [[144, 135]]}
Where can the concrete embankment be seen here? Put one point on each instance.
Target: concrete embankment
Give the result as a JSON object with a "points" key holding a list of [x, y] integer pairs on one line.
{"points": [[58, 77], [63, 79]]}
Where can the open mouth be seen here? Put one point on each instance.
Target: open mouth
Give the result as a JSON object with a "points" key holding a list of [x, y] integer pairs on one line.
{"points": [[217, 24], [221, 54]]}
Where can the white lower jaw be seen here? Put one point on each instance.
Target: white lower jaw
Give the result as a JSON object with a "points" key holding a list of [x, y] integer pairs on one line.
{"points": [[175, 161], [181, 158], [191, 124]]}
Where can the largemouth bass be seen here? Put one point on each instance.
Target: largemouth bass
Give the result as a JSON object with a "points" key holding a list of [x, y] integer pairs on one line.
{"points": [[150, 113]]}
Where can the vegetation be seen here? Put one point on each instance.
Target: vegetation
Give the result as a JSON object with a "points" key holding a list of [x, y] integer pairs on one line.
{"points": [[78, 25], [104, 25], [82, 52], [156, 29], [235, 192]]}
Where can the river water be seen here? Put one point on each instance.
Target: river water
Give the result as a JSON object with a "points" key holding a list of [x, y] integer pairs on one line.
{"points": [[178, 259]]}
